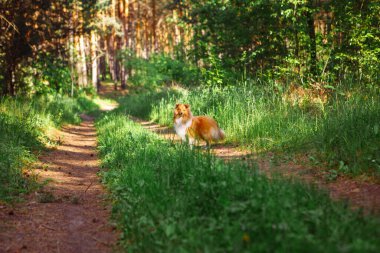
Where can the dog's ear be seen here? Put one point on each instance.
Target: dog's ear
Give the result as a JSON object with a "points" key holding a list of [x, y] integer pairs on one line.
{"points": [[187, 106], [176, 106]]}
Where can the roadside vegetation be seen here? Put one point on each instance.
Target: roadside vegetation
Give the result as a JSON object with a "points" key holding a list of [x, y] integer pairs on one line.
{"points": [[24, 126], [168, 198]]}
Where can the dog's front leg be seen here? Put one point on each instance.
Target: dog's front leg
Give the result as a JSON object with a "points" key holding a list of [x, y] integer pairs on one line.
{"points": [[191, 142]]}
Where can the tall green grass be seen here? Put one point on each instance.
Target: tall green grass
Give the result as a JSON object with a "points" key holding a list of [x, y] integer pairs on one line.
{"points": [[345, 131], [23, 132], [167, 198]]}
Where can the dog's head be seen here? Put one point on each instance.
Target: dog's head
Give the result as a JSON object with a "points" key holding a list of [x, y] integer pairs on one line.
{"points": [[182, 110]]}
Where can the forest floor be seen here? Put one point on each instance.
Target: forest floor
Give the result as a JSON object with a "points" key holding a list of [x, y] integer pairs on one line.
{"points": [[70, 213]]}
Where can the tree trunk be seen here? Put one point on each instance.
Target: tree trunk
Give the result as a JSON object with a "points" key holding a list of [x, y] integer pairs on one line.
{"points": [[154, 24], [94, 62], [8, 85], [138, 31], [102, 59], [81, 61], [111, 56], [313, 43], [123, 13], [296, 50]]}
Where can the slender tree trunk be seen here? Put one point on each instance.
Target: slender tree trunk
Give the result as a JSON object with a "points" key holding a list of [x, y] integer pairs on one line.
{"points": [[102, 59], [8, 78], [181, 31], [177, 33], [111, 56], [132, 27], [12, 88], [313, 43], [79, 44], [147, 43], [123, 13], [296, 50], [138, 31], [154, 24], [81, 62], [72, 48], [94, 61], [77, 60]]}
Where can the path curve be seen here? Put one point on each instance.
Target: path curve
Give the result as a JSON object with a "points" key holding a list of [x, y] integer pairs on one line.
{"points": [[70, 213]]}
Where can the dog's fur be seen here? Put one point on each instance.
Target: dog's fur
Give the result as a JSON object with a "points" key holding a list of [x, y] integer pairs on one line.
{"points": [[192, 128]]}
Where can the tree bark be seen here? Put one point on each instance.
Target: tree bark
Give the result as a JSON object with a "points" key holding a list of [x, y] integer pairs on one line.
{"points": [[81, 61], [154, 24], [94, 62], [8, 85], [123, 13], [313, 43], [138, 31], [102, 59]]}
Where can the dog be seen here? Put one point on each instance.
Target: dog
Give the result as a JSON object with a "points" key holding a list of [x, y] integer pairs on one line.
{"points": [[191, 128]]}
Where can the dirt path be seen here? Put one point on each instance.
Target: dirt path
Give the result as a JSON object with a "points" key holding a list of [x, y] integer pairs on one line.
{"points": [[69, 214], [359, 194]]}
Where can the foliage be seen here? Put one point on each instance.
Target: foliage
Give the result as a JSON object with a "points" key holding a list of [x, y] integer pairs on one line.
{"points": [[158, 70], [46, 75], [287, 38], [168, 198], [23, 132]]}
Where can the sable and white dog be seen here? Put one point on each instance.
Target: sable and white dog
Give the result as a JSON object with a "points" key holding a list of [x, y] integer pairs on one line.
{"points": [[192, 128]]}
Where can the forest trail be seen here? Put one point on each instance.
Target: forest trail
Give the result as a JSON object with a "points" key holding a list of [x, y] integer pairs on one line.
{"points": [[70, 213], [359, 194]]}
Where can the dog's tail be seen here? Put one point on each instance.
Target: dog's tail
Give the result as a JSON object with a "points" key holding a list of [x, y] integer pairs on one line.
{"points": [[218, 135], [222, 135]]}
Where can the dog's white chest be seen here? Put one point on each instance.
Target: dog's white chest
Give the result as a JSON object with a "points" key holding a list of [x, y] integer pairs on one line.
{"points": [[180, 127]]}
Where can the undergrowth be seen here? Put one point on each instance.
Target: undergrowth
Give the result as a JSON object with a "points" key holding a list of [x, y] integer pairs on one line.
{"points": [[168, 198], [23, 133], [159, 69]]}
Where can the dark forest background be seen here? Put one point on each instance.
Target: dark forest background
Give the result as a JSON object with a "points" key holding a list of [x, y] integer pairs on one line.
{"points": [[58, 46]]}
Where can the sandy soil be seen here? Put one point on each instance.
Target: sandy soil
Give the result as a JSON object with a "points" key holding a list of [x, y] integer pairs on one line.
{"points": [[70, 213], [359, 194]]}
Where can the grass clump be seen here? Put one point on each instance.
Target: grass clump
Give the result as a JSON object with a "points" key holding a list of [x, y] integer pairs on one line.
{"points": [[23, 132], [167, 198]]}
